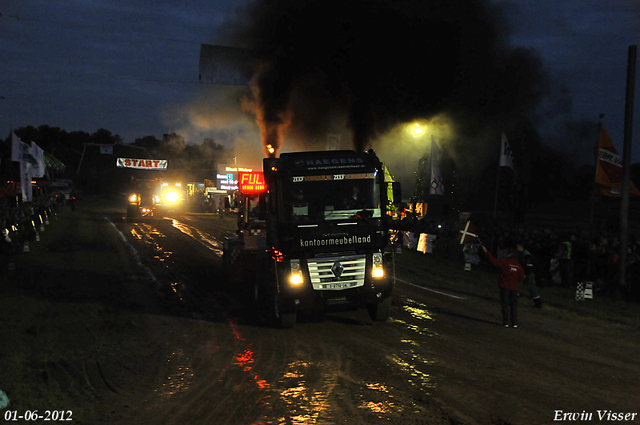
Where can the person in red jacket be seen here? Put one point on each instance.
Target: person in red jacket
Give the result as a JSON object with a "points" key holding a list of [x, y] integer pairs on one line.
{"points": [[511, 274]]}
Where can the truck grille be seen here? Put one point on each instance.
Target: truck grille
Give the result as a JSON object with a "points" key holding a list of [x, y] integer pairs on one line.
{"points": [[337, 273]]}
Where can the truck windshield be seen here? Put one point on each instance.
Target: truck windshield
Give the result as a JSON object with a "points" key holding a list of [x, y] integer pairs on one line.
{"points": [[336, 197], [147, 186]]}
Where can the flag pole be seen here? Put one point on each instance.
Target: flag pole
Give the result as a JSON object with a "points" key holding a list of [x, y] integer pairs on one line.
{"points": [[495, 203], [430, 170], [624, 204], [594, 192]]}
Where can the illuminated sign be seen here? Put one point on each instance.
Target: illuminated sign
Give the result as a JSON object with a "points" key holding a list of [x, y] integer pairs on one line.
{"points": [[227, 176], [252, 182]]}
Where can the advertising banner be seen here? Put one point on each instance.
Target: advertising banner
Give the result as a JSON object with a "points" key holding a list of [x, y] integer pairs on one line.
{"points": [[142, 164]]}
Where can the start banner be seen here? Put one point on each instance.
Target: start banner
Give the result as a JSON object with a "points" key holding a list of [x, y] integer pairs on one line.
{"points": [[142, 164]]}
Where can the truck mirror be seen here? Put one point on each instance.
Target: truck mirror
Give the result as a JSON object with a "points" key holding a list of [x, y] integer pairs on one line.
{"points": [[397, 193]]}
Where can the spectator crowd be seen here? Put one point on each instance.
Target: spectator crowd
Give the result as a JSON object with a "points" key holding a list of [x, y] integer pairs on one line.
{"points": [[562, 258]]}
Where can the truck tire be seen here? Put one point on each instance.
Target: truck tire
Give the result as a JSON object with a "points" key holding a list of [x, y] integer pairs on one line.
{"points": [[379, 312], [288, 320], [284, 320]]}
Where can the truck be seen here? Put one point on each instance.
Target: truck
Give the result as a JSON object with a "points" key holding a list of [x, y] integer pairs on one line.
{"points": [[313, 231], [153, 198]]}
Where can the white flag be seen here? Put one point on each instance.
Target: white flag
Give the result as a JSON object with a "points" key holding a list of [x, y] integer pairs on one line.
{"points": [[37, 169], [16, 148], [506, 155], [25, 173], [437, 184]]}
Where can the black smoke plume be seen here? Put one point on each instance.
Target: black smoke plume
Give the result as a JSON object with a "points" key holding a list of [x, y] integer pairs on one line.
{"points": [[380, 62]]}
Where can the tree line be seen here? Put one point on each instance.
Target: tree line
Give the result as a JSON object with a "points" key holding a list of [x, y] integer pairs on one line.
{"points": [[79, 151]]}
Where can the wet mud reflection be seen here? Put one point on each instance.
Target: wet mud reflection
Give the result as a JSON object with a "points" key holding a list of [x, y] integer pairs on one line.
{"points": [[374, 404], [412, 361], [205, 239], [306, 404], [417, 309], [244, 359], [181, 376], [413, 368], [148, 234]]}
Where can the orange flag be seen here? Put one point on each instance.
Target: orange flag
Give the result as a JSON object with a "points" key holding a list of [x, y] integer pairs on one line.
{"points": [[609, 173]]}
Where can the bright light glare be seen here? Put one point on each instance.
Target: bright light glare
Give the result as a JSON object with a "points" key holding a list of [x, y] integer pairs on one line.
{"points": [[295, 278], [133, 197], [378, 272], [172, 197], [270, 149]]}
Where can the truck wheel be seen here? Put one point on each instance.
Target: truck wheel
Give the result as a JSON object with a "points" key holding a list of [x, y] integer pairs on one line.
{"points": [[380, 312], [284, 320], [288, 320]]}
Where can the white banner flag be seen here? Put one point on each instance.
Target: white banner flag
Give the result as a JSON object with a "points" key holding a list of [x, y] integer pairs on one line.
{"points": [[25, 173], [506, 155], [142, 164], [37, 169], [16, 148]]}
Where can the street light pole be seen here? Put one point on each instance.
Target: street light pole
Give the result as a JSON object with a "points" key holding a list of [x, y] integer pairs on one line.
{"points": [[624, 203]]}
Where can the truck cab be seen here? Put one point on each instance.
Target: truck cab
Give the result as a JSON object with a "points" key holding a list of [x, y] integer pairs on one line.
{"points": [[319, 233]]}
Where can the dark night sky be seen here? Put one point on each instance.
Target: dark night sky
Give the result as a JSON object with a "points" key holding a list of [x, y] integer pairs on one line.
{"points": [[132, 67]]}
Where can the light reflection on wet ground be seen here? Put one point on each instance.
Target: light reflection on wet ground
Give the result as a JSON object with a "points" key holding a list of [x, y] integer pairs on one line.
{"points": [[411, 362], [310, 392], [418, 377], [245, 359], [147, 234], [205, 239], [419, 329], [376, 391], [417, 309], [306, 404], [181, 377]]}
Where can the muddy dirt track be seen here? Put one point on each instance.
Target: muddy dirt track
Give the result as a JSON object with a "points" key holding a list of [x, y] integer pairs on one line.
{"points": [[206, 356]]}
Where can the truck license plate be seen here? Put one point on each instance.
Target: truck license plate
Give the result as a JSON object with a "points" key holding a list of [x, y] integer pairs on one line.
{"points": [[337, 286]]}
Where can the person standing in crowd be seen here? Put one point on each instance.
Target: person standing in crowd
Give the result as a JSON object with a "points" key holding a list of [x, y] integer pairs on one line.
{"points": [[566, 261], [511, 274], [527, 261]]}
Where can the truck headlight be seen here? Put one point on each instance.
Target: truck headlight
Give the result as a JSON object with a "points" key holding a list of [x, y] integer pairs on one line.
{"points": [[295, 278], [133, 198], [172, 197], [378, 270]]}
